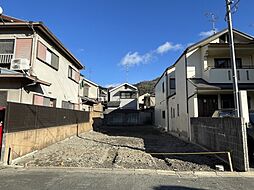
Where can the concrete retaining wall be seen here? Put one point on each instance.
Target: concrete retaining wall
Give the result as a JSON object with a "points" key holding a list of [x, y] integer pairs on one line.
{"points": [[17, 144], [222, 134], [128, 118]]}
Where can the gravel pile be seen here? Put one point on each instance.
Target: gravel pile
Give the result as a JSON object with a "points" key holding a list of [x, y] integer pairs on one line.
{"points": [[113, 148]]}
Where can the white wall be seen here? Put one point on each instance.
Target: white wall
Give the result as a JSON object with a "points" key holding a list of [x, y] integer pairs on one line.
{"points": [[62, 88], [160, 103]]}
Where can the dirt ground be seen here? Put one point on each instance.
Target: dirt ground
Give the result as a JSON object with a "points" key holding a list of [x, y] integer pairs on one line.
{"points": [[122, 148]]}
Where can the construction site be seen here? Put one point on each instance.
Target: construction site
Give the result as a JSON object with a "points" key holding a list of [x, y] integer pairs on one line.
{"points": [[140, 147]]}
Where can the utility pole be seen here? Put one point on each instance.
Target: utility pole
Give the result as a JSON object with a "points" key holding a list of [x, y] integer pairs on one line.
{"points": [[232, 54]]}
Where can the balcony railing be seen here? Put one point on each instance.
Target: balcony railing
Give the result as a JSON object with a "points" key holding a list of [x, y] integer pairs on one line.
{"points": [[5, 58], [224, 75]]}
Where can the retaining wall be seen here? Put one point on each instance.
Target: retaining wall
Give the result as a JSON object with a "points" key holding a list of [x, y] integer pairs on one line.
{"points": [[128, 118], [29, 128], [222, 134]]}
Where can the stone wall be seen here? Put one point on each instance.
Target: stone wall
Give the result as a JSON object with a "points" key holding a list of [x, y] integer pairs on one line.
{"points": [[222, 134]]}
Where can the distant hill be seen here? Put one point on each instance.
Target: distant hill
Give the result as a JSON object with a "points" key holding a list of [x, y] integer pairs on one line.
{"points": [[146, 86]]}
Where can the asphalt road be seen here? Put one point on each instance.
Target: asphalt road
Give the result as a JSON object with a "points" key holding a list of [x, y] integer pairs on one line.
{"points": [[54, 179]]}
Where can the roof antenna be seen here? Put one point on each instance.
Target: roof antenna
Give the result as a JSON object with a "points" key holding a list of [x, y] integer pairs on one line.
{"points": [[126, 72], [213, 19]]}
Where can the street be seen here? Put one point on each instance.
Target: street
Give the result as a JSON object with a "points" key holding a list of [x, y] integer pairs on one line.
{"points": [[54, 179]]}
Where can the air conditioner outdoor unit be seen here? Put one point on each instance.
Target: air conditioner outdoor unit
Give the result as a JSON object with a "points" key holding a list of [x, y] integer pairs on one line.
{"points": [[20, 64]]}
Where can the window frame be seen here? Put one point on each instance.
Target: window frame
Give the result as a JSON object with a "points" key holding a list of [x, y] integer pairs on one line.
{"points": [[170, 83], [163, 114], [51, 52], [70, 68], [129, 97], [14, 44], [227, 65], [45, 97]]}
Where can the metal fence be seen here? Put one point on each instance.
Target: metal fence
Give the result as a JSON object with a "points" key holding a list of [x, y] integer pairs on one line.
{"points": [[21, 117]]}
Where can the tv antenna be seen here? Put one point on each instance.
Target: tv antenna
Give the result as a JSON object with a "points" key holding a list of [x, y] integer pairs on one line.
{"points": [[90, 74], [126, 71], [213, 19]]}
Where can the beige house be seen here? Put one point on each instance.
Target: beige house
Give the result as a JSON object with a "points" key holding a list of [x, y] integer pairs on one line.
{"points": [[89, 93], [35, 67], [200, 82]]}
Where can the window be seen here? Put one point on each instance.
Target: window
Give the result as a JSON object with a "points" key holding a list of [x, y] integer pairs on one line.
{"points": [[73, 74], [44, 101], [226, 63], [172, 83], [163, 115], [67, 105], [127, 95], [47, 56], [178, 114], [6, 46], [6, 51], [163, 88]]}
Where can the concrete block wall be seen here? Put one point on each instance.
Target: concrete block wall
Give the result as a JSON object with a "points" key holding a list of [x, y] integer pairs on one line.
{"points": [[20, 143], [222, 134], [128, 118]]}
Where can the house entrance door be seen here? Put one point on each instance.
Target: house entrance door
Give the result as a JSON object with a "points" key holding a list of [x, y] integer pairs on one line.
{"points": [[207, 104]]}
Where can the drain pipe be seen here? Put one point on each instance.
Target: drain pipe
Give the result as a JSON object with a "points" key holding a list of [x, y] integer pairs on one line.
{"points": [[167, 100]]}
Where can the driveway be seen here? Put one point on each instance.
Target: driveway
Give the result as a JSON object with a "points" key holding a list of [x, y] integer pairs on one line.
{"points": [[123, 148]]}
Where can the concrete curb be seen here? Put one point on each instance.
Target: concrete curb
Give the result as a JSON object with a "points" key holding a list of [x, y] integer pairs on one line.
{"points": [[180, 174]]}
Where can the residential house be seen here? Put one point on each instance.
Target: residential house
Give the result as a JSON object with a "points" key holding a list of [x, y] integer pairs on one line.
{"points": [[124, 96], [35, 67], [200, 82], [146, 101], [89, 93]]}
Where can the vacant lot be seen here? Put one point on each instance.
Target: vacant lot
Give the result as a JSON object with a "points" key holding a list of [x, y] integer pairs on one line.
{"points": [[122, 148]]}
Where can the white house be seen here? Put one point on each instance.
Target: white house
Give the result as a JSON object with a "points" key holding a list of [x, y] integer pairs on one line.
{"points": [[146, 101], [200, 82], [124, 96], [35, 67]]}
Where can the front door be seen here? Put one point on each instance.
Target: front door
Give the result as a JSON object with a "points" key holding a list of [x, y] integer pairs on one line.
{"points": [[207, 104]]}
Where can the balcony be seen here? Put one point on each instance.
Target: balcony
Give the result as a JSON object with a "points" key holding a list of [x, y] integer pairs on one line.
{"points": [[5, 59], [219, 75]]}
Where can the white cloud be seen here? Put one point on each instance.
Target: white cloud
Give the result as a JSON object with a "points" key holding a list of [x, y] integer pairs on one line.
{"points": [[132, 59], [168, 46], [207, 33], [112, 85], [81, 50]]}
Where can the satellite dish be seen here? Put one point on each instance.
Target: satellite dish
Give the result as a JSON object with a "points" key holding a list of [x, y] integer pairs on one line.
{"points": [[1, 10]]}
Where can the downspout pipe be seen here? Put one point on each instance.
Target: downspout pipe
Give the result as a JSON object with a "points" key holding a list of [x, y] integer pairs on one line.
{"points": [[187, 99], [167, 108]]}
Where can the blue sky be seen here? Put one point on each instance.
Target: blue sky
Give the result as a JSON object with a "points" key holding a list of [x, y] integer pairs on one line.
{"points": [[146, 36]]}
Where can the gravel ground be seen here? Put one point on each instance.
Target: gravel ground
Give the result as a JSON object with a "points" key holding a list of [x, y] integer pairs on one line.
{"points": [[122, 148]]}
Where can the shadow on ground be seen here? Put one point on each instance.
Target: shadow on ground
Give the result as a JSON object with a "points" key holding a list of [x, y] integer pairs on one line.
{"points": [[158, 142], [173, 187]]}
